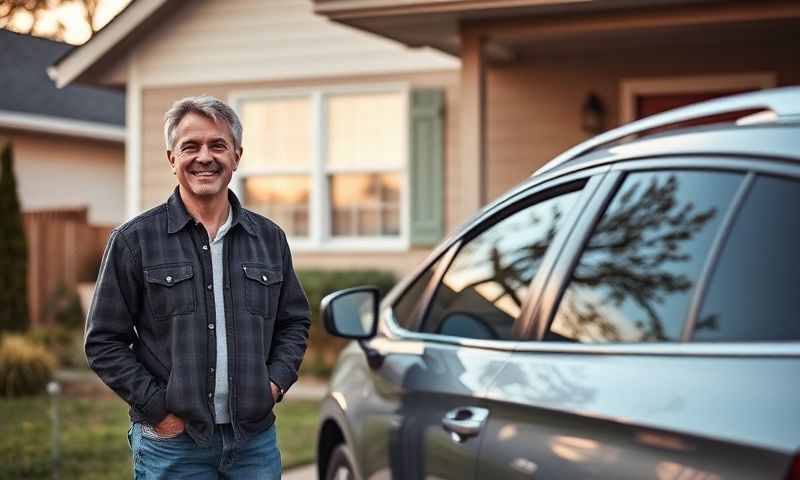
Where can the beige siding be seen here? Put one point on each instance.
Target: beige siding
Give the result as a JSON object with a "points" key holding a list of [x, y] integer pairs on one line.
{"points": [[243, 40], [158, 181], [534, 109], [57, 172]]}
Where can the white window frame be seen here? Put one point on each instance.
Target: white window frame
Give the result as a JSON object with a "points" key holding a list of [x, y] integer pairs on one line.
{"points": [[320, 238]]}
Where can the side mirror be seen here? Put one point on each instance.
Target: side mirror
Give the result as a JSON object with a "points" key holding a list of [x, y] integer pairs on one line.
{"points": [[351, 313]]}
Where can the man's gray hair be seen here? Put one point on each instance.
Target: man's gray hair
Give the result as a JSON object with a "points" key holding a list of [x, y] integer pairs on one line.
{"points": [[206, 106]]}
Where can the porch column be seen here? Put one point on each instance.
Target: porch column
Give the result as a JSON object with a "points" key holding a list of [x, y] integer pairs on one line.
{"points": [[472, 148]]}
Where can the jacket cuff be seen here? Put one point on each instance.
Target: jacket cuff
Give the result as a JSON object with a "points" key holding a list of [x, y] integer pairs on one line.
{"points": [[155, 410], [281, 376]]}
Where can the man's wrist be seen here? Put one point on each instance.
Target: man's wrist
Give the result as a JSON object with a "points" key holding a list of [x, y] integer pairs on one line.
{"points": [[280, 390]]}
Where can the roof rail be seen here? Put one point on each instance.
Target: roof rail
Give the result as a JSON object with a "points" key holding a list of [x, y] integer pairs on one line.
{"points": [[784, 102]]}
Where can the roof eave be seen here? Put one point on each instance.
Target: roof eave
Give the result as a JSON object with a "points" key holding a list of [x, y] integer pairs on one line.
{"points": [[80, 60]]}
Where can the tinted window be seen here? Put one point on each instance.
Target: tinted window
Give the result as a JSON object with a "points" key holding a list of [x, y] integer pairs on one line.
{"points": [[636, 273], [755, 288], [483, 289], [406, 307]]}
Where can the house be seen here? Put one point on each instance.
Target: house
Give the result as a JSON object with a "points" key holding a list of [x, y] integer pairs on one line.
{"points": [[68, 144], [539, 76], [69, 162], [348, 137]]}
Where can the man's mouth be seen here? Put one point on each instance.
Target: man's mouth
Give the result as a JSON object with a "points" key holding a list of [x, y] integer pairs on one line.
{"points": [[205, 173]]}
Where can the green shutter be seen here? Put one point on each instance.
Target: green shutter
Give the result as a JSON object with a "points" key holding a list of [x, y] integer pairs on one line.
{"points": [[427, 166]]}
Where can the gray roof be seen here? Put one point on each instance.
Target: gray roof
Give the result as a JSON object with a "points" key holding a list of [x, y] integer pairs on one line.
{"points": [[26, 88]]}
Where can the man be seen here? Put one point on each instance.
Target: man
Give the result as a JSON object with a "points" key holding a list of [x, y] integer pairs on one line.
{"points": [[198, 321]]}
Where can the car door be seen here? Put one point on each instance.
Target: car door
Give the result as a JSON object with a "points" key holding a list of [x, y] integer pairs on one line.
{"points": [[607, 387], [443, 341]]}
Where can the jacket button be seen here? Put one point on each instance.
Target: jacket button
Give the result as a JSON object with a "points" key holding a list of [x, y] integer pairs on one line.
{"points": [[205, 247], [264, 278], [211, 326], [210, 287], [211, 369], [168, 279], [210, 394]]}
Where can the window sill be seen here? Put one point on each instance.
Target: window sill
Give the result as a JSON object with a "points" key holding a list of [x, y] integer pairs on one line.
{"points": [[356, 245]]}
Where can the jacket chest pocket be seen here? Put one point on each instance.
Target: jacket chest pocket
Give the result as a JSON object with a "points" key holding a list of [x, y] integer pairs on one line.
{"points": [[170, 290], [262, 287]]}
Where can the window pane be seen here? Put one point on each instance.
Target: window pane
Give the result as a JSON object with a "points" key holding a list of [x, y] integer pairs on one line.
{"points": [[365, 205], [754, 289], [282, 199], [366, 130], [277, 133], [406, 308], [635, 277], [483, 290]]}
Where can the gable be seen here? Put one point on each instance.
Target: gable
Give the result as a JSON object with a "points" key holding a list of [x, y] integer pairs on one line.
{"points": [[243, 40]]}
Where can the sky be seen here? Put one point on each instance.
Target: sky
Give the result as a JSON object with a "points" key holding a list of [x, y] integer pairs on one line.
{"points": [[71, 15]]}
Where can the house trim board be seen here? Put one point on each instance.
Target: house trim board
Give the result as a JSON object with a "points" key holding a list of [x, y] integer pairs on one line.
{"points": [[632, 87], [61, 126], [79, 60], [133, 143], [318, 240]]}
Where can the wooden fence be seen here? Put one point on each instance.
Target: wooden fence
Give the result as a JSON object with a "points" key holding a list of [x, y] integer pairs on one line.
{"points": [[63, 251]]}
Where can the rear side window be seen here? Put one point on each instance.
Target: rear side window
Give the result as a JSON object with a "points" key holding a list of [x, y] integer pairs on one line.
{"points": [[755, 288], [485, 286], [406, 308], [637, 272]]}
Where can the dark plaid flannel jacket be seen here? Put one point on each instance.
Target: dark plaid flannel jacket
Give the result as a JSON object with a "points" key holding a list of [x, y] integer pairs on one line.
{"points": [[150, 333]]}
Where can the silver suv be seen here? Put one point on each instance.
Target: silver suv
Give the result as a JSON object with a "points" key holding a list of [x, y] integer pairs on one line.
{"points": [[629, 312]]}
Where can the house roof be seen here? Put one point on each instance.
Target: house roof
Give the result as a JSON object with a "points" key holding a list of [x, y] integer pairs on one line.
{"points": [[26, 89]]}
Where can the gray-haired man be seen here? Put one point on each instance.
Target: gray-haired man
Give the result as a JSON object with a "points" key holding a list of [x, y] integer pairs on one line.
{"points": [[198, 320]]}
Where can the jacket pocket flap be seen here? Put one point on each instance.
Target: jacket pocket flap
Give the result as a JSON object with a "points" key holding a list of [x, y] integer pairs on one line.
{"points": [[262, 274], [168, 275]]}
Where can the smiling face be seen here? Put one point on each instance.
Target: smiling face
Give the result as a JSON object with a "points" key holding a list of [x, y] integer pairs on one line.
{"points": [[203, 157]]}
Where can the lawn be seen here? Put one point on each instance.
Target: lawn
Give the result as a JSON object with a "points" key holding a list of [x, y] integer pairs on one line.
{"points": [[93, 437]]}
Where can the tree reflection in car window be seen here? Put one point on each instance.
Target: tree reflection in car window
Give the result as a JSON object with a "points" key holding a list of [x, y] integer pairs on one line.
{"points": [[482, 291], [635, 276]]}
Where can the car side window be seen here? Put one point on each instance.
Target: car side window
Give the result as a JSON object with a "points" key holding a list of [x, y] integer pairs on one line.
{"points": [[482, 292], [406, 308], [754, 289], [636, 274]]}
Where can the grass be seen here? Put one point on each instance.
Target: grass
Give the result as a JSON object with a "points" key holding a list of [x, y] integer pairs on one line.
{"points": [[93, 437]]}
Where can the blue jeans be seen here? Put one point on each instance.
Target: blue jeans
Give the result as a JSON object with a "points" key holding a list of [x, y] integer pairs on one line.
{"points": [[179, 457]]}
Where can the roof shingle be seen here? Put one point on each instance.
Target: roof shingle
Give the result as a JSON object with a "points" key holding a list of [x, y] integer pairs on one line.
{"points": [[26, 88]]}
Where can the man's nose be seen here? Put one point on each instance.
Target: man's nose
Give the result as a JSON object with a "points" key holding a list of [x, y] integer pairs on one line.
{"points": [[204, 155]]}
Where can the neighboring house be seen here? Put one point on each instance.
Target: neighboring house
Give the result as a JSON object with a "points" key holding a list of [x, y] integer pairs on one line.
{"points": [[348, 137], [531, 67], [68, 144]]}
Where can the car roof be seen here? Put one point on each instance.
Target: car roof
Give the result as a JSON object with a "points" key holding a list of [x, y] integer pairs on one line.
{"points": [[773, 132]]}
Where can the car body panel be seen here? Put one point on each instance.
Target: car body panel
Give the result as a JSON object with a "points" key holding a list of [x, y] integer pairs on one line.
{"points": [[619, 416]]}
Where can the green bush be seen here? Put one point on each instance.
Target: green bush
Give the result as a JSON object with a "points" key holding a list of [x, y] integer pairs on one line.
{"points": [[63, 307], [65, 343], [25, 368], [323, 349]]}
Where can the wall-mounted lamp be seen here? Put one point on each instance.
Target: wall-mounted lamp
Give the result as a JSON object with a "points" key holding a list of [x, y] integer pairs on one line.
{"points": [[593, 115]]}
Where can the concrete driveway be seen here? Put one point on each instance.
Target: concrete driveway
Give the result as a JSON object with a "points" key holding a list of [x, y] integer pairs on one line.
{"points": [[309, 472]]}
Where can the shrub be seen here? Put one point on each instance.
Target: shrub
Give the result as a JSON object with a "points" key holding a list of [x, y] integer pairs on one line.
{"points": [[323, 349], [63, 308], [25, 368], [13, 251], [66, 344]]}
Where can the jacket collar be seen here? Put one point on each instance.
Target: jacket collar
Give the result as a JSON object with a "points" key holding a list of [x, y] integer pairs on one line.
{"points": [[178, 216]]}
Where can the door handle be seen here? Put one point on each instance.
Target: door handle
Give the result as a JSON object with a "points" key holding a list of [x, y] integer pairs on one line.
{"points": [[465, 421]]}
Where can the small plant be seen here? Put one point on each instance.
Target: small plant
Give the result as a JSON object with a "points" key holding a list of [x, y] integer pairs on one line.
{"points": [[65, 343], [25, 368], [63, 308]]}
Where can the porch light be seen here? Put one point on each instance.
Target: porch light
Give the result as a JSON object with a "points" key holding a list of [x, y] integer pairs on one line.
{"points": [[593, 115]]}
